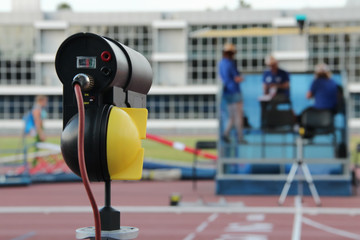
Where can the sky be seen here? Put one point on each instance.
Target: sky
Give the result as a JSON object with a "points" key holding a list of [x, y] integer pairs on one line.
{"points": [[171, 5]]}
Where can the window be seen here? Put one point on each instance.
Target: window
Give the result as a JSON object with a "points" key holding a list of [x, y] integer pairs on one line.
{"points": [[181, 106]]}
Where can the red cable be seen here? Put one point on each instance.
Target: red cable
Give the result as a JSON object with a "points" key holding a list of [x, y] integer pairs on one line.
{"points": [[82, 165], [186, 148]]}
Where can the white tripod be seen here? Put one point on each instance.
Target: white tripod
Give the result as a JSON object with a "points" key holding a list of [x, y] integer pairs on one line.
{"points": [[305, 170]]}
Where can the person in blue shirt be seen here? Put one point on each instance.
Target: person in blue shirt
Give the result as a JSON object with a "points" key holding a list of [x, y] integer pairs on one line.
{"points": [[276, 81], [231, 79], [276, 89], [323, 89], [34, 119]]}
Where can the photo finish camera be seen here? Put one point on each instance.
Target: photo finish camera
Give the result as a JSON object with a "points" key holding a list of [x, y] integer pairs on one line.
{"points": [[115, 80]]}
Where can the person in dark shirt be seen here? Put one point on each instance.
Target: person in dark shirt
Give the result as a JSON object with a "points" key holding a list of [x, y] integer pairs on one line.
{"points": [[323, 89], [276, 81], [231, 78], [276, 90]]}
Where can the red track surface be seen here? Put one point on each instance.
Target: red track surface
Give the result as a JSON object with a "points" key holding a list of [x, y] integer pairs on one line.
{"points": [[259, 223]]}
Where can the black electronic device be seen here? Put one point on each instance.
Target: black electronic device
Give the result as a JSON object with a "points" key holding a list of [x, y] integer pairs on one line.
{"points": [[111, 74], [114, 81]]}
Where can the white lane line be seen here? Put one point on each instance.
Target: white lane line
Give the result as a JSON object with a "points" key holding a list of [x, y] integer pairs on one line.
{"points": [[249, 227], [332, 230], [191, 236], [255, 217], [179, 209], [25, 236], [212, 217], [202, 226], [296, 232], [232, 236]]}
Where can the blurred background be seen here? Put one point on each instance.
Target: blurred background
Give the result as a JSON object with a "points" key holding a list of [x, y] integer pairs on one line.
{"points": [[183, 47], [183, 42]]}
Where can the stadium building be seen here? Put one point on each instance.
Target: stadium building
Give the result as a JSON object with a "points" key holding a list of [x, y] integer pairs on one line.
{"points": [[183, 49]]}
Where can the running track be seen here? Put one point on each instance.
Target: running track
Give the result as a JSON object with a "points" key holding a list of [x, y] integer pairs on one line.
{"points": [[55, 211]]}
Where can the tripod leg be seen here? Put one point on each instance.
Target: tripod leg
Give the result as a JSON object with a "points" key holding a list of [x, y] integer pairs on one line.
{"points": [[311, 184], [287, 185]]}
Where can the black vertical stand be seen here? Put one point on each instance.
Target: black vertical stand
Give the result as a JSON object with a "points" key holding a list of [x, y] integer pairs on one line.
{"points": [[110, 223], [110, 217]]}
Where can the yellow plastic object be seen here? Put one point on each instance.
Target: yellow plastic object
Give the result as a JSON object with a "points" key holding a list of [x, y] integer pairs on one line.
{"points": [[302, 131], [126, 128]]}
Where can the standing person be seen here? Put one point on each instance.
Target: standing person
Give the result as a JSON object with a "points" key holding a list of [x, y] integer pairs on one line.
{"points": [[323, 89], [276, 81], [231, 78], [34, 119]]}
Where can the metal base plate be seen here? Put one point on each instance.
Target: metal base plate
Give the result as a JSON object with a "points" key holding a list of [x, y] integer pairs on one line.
{"points": [[124, 233]]}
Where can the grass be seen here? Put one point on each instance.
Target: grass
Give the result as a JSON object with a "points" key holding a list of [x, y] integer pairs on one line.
{"points": [[15, 144], [354, 140], [154, 150]]}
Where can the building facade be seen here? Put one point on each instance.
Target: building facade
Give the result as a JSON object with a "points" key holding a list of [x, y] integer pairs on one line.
{"points": [[183, 49]]}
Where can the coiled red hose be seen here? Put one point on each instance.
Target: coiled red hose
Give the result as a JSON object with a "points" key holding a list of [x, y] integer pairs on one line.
{"points": [[82, 164]]}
